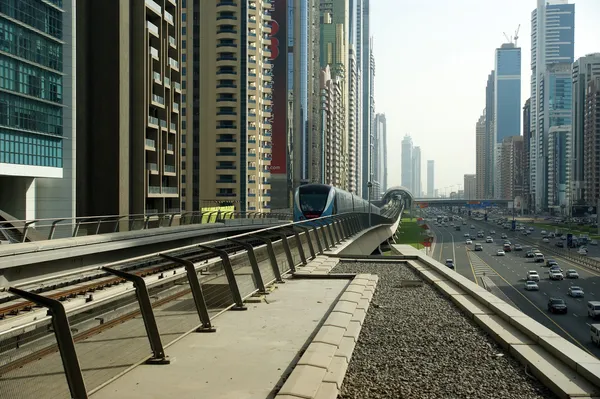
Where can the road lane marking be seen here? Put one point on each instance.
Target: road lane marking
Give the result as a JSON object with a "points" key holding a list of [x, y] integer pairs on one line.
{"points": [[542, 312], [472, 269]]}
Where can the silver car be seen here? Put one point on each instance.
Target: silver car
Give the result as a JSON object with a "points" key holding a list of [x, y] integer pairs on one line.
{"points": [[531, 286], [575, 292]]}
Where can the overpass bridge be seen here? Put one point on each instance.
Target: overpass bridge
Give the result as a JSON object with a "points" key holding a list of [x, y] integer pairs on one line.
{"points": [[286, 311], [474, 204]]}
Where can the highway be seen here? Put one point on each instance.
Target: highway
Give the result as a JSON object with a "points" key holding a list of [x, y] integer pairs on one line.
{"points": [[508, 273]]}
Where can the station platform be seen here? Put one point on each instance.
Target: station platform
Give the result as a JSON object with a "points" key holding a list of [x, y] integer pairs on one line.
{"points": [[249, 356]]}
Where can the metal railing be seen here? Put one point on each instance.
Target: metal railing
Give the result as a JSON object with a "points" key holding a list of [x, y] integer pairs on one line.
{"points": [[212, 286], [20, 231]]}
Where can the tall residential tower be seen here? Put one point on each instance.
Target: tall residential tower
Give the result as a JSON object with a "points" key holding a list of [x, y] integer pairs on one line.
{"points": [[552, 45]]}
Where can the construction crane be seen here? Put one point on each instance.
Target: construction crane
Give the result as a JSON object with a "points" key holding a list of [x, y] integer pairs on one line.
{"points": [[513, 39]]}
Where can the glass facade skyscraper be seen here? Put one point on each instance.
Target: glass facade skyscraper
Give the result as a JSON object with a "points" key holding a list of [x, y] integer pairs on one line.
{"points": [[37, 126], [507, 92], [552, 44], [31, 105]]}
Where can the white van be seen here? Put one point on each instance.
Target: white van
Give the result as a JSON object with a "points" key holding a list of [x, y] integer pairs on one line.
{"points": [[538, 257], [595, 334], [593, 309]]}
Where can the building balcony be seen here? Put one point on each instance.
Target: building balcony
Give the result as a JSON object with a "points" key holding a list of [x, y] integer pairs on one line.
{"points": [[163, 124], [152, 167], [169, 18], [226, 181], [227, 18], [150, 144], [177, 86], [152, 121], [224, 45], [170, 149], [170, 169], [157, 191], [174, 64], [173, 128], [226, 167], [252, 154], [174, 2], [225, 5], [167, 82], [226, 113], [250, 141], [251, 195], [226, 194], [176, 107], [153, 29], [172, 42], [154, 53], [226, 154], [154, 6], [225, 33], [158, 100], [157, 78]]}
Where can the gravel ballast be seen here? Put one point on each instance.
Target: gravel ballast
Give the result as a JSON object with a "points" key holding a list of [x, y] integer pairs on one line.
{"points": [[417, 344]]}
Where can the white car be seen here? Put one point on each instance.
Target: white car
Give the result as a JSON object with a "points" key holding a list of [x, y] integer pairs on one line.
{"points": [[556, 275], [545, 239], [466, 235], [500, 253], [489, 240], [582, 251], [468, 242], [543, 232], [572, 273], [531, 286], [575, 292], [492, 231], [532, 275], [593, 242]]}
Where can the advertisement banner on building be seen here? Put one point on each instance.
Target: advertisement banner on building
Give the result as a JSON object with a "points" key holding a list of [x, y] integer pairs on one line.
{"points": [[279, 74]]}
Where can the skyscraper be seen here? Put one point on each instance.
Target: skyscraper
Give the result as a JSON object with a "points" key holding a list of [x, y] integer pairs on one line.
{"points": [[490, 110], [364, 59], [407, 163], [334, 52], [552, 42], [416, 169], [585, 69], [507, 102], [470, 185], [512, 167], [527, 139], [380, 152], [480, 157], [130, 104], [591, 127], [236, 118], [430, 178], [37, 109]]}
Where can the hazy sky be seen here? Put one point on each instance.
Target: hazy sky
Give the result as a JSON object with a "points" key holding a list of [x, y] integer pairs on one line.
{"points": [[432, 61]]}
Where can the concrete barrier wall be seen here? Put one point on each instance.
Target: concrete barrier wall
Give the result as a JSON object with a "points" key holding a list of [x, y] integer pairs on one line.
{"points": [[560, 365]]}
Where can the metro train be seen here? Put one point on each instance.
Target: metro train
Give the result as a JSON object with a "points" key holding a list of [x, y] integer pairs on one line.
{"points": [[313, 201]]}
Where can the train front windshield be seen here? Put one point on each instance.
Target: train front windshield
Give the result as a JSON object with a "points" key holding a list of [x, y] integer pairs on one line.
{"points": [[313, 200]]}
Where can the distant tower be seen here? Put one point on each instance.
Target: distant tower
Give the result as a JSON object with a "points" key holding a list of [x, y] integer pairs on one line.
{"points": [[406, 173]]}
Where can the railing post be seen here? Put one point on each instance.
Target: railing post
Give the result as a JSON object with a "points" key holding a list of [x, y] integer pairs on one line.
{"points": [[333, 232], [76, 230], [98, 226], [253, 263], [172, 217], [286, 249], [324, 234], [299, 245], [272, 257], [146, 222], [306, 231], [235, 291], [141, 291], [317, 239], [64, 339], [53, 228], [197, 293], [354, 224], [341, 226]]}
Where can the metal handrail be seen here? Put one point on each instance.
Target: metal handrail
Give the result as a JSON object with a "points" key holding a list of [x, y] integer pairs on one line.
{"points": [[26, 228]]}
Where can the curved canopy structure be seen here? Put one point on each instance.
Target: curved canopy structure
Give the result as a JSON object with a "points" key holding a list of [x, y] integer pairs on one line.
{"points": [[398, 190]]}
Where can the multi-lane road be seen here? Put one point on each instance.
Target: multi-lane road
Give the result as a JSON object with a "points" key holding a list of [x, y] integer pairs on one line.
{"points": [[509, 272]]}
